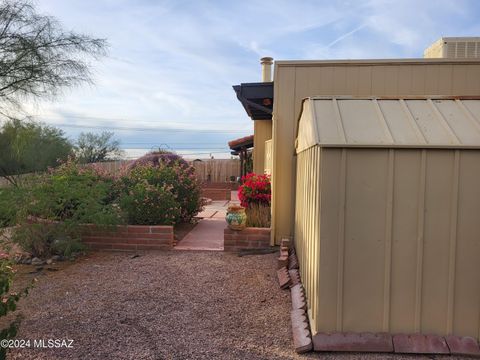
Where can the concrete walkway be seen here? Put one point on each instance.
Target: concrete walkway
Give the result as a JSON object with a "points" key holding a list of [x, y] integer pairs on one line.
{"points": [[208, 234]]}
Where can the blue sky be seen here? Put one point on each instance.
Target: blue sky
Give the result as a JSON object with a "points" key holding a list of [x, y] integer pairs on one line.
{"points": [[171, 64]]}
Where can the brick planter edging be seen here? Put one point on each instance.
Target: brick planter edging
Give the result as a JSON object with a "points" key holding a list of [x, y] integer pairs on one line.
{"points": [[379, 342], [129, 237], [248, 238]]}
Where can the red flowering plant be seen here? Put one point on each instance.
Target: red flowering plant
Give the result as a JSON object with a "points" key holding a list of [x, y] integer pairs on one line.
{"points": [[255, 195]]}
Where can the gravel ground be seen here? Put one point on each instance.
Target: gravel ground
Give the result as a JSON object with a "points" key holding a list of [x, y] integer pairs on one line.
{"points": [[170, 305]]}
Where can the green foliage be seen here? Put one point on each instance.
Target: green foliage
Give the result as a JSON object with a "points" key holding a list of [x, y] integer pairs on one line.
{"points": [[8, 303], [27, 147], [72, 193], [45, 239], [55, 205], [147, 204], [50, 208], [10, 198], [91, 148], [171, 170]]}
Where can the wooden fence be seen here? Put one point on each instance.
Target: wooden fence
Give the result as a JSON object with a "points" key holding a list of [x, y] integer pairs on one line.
{"points": [[210, 170], [217, 170]]}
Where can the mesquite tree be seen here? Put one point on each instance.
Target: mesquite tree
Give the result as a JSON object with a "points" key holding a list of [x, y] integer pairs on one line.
{"points": [[38, 58]]}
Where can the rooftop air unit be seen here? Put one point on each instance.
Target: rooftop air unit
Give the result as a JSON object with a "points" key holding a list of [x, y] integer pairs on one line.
{"points": [[454, 47]]}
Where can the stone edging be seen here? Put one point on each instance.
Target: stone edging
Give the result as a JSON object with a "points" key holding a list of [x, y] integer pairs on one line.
{"points": [[289, 276], [129, 237]]}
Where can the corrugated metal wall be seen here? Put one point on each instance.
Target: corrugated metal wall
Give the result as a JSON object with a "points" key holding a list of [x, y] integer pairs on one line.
{"points": [[389, 240], [268, 157], [307, 224], [295, 81]]}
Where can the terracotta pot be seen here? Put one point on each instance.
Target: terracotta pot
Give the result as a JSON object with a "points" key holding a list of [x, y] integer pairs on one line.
{"points": [[236, 217]]}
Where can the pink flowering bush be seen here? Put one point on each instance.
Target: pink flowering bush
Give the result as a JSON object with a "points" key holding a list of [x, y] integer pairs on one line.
{"points": [[146, 204], [51, 209], [166, 169]]}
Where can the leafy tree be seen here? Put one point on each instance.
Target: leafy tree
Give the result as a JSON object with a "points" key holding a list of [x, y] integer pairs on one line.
{"points": [[38, 57], [91, 148], [26, 147]]}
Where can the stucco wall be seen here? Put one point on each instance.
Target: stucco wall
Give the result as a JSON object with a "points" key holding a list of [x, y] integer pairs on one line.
{"points": [[262, 133]]}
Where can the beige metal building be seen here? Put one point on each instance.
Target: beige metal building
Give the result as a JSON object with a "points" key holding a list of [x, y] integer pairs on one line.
{"points": [[387, 226], [375, 169], [296, 80], [451, 67]]}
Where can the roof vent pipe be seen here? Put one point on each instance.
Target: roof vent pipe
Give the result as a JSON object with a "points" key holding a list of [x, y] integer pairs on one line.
{"points": [[266, 68]]}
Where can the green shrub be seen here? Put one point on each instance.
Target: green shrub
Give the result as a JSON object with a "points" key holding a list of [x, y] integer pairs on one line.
{"points": [[179, 176], [50, 208], [9, 197], [55, 205], [147, 204], [43, 239], [8, 303]]}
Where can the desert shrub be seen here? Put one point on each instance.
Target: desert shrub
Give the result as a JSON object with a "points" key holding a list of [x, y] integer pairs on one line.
{"points": [[170, 170], [52, 207], [255, 195], [55, 205], [147, 204], [161, 157], [72, 193], [44, 239], [9, 201], [9, 299]]}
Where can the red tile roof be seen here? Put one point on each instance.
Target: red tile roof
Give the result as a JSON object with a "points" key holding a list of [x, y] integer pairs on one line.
{"points": [[246, 141]]}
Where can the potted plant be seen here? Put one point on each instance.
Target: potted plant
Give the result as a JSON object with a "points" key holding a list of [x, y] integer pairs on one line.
{"points": [[255, 196], [236, 217]]}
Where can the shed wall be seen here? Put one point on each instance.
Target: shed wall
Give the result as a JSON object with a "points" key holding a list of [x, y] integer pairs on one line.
{"points": [[307, 225], [295, 81], [395, 246]]}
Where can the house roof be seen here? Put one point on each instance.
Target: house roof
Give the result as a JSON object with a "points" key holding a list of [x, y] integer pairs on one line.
{"points": [[377, 62], [257, 99], [244, 142], [420, 122]]}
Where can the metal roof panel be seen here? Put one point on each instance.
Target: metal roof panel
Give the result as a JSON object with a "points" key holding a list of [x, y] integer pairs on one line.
{"points": [[387, 122]]}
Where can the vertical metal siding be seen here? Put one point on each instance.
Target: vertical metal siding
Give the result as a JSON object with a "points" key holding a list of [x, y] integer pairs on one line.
{"points": [[268, 157], [307, 222], [294, 82], [389, 239]]}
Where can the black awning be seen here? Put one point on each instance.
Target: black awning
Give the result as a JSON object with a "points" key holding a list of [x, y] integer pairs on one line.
{"points": [[257, 99]]}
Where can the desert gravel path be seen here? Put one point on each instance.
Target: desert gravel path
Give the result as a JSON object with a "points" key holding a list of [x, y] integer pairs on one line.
{"points": [[170, 305]]}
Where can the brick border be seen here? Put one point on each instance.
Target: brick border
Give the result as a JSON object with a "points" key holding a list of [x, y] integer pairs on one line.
{"points": [[129, 237], [378, 342], [248, 238], [217, 194]]}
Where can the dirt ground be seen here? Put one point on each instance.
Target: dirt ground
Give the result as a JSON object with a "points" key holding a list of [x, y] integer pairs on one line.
{"points": [[164, 305]]}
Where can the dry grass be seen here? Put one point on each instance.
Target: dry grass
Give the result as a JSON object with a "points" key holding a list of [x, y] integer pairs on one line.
{"points": [[258, 216]]}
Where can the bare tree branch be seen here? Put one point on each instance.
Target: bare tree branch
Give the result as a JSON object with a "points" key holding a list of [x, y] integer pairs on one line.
{"points": [[38, 58]]}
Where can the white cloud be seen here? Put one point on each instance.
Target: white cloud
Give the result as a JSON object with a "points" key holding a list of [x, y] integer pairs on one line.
{"points": [[172, 63]]}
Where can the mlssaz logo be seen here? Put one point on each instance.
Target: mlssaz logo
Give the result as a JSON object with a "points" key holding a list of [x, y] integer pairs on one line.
{"points": [[53, 343]]}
